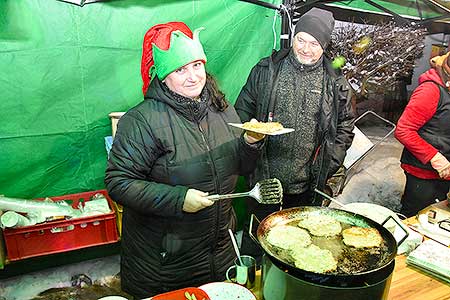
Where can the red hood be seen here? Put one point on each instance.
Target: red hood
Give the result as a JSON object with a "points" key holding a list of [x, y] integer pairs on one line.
{"points": [[431, 74]]}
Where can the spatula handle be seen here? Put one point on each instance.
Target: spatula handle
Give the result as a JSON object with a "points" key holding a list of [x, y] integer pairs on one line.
{"points": [[227, 196], [330, 198]]}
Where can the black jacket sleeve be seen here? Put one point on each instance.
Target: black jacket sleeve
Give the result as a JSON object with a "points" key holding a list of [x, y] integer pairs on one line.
{"points": [[345, 125], [132, 156], [250, 153], [247, 100]]}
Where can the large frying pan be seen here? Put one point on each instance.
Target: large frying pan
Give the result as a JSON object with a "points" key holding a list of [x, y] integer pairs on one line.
{"points": [[371, 272]]}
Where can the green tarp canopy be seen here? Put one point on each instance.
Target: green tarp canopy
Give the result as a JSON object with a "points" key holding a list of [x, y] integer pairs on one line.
{"points": [[406, 8], [64, 68], [415, 10]]}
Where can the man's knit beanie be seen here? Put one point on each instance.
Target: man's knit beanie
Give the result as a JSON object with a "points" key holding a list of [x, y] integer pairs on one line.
{"points": [[317, 22]]}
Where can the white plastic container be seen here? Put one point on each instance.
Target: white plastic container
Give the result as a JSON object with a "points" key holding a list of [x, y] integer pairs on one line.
{"points": [[115, 117]]}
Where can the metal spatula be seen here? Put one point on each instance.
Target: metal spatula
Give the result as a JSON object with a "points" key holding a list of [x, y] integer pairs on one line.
{"points": [[267, 191], [329, 198]]}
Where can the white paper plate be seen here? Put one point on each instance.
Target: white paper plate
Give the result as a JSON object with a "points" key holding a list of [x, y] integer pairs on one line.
{"points": [[282, 131], [227, 291]]}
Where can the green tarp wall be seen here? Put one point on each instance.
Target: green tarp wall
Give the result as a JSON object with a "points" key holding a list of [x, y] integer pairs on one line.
{"points": [[65, 67]]}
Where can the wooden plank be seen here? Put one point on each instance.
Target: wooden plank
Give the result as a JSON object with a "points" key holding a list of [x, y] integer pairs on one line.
{"points": [[409, 283]]}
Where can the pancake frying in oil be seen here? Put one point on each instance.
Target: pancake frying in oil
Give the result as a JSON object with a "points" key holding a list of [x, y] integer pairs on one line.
{"points": [[286, 237], [360, 237], [321, 225], [314, 259]]}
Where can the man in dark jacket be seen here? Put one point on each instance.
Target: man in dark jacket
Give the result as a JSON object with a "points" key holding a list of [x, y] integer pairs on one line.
{"points": [[299, 88]]}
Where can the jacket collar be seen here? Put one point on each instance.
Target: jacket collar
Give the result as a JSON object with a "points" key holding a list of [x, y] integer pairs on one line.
{"points": [[190, 109], [278, 56]]}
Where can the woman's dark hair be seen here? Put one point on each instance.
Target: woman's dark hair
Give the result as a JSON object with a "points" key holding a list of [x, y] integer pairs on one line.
{"points": [[218, 98]]}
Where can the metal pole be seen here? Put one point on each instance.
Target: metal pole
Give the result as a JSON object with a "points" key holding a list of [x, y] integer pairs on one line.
{"points": [[262, 3], [440, 6], [397, 18], [285, 42]]}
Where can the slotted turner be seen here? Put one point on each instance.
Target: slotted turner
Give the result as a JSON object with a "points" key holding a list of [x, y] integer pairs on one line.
{"points": [[267, 191]]}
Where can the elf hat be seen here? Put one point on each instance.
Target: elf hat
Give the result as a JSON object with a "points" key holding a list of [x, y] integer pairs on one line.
{"points": [[168, 47]]}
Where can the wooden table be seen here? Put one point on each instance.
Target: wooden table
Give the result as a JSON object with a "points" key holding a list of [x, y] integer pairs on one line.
{"points": [[408, 283]]}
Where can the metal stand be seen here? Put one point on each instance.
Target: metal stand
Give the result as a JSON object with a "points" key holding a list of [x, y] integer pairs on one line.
{"points": [[371, 148], [361, 147]]}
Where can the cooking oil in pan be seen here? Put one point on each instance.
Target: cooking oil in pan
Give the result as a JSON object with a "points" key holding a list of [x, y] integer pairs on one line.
{"points": [[350, 260]]}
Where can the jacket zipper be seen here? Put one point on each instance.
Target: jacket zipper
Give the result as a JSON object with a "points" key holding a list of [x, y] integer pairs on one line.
{"points": [[213, 166], [216, 185], [318, 156]]}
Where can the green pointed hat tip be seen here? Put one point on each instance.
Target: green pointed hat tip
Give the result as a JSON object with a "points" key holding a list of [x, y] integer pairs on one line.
{"points": [[183, 50]]}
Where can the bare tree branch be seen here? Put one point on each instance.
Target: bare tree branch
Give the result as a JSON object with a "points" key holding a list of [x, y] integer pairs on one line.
{"points": [[377, 56]]}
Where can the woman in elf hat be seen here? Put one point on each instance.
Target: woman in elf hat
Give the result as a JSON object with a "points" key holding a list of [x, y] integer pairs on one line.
{"points": [[424, 130], [169, 153]]}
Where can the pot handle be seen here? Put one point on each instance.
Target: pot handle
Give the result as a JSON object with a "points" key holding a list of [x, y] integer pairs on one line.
{"points": [[406, 233], [250, 228]]}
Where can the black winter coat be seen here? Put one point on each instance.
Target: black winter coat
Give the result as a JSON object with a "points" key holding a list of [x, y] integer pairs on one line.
{"points": [[162, 148], [257, 100]]}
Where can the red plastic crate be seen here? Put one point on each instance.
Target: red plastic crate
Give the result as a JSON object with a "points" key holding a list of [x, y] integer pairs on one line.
{"points": [[63, 235]]}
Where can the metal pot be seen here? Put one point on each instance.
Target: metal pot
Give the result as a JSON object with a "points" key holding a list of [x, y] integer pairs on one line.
{"points": [[378, 271], [277, 284]]}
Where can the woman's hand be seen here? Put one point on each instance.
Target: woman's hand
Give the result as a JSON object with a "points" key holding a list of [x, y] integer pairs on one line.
{"points": [[445, 172], [441, 164], [195, 200], [252, 137]]}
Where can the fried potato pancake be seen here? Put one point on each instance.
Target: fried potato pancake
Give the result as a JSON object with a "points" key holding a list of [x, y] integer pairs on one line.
{"points": [[268, 127], [286, 237], [314, 259], [360, 237], [321, 225]]}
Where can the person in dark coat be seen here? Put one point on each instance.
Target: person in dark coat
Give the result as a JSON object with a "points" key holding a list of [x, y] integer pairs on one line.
{"points": [[169, 153], [424, 130], [299, 88]]}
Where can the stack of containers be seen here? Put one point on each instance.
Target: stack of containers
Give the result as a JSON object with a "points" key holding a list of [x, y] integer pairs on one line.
{"points": [[115, 117]]}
